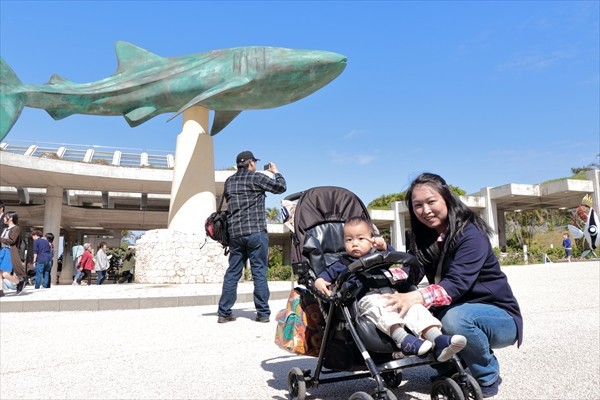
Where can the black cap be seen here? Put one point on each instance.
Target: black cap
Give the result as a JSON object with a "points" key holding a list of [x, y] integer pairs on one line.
{"points": [[245, 155]]}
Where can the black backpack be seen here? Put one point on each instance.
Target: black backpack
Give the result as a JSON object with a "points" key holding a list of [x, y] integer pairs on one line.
{"points": [[216, 227]]}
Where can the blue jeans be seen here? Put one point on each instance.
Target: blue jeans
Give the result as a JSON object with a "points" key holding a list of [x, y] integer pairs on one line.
{"points": [[254, 247], [76, 272], [101, 276], [486, 327], [42, 274]]}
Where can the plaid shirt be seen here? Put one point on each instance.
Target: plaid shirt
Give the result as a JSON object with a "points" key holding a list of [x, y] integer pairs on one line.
{"points": [[245, 194], [435, 296]]}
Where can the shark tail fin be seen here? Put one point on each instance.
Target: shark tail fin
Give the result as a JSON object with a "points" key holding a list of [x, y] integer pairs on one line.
{"points": [[12, 98]]}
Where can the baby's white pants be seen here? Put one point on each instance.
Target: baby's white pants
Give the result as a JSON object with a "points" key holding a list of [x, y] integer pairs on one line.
{"points": [[417, 319]]}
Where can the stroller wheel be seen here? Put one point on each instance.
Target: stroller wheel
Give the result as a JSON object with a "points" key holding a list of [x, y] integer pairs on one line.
{"points": [[469, 385], [296, 384], [392, 379], [389, 395], [446, 389], [360, 396]]}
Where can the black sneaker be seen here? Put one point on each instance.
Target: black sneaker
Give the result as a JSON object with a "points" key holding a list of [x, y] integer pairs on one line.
{"points": [[223, 320], [21, 285], [2, 293], [264, 320], [413, 346]]}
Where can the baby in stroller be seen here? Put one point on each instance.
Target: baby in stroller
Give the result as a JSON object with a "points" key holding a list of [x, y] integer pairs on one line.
{"points": [[359, 240]]}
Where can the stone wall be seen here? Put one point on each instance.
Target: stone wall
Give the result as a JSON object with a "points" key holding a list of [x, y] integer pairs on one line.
{"points": [[166, 256]]}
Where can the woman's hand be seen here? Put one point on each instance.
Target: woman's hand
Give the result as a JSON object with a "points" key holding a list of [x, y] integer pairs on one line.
{"points": [[323, 286], [401, 302]]}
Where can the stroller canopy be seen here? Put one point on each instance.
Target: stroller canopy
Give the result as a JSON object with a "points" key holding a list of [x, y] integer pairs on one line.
{"points": [[324, 209]]}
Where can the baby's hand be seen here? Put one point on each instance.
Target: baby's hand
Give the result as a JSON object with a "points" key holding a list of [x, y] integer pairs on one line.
{"points": [[379, 243], [323, 286]]}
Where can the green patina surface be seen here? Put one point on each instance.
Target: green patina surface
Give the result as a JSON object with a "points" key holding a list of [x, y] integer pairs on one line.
{"points": [[145, 85]]}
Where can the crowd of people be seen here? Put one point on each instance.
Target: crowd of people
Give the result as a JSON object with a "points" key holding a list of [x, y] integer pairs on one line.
{"points": [[14, 266]]}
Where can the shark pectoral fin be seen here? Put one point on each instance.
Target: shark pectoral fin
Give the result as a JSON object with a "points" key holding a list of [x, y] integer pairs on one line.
{"points": [[140, 115], [232, 84], [222, 119], [59, 113]]}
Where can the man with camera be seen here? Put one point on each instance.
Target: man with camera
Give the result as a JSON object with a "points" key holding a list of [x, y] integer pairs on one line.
{"points": [[245, 192]]}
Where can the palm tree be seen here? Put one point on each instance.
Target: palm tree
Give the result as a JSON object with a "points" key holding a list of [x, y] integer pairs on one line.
{"points": [[273, 215]]}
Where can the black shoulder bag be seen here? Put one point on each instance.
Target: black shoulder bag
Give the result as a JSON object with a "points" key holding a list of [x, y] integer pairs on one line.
{"points": [[216, 227]]}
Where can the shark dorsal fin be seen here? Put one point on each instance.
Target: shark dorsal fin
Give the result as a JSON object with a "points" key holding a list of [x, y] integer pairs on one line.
{"points": [[57, 79], [130, 56]]}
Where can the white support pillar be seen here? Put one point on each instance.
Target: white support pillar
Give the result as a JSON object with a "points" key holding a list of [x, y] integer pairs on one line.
{"points": [[52, 218], [490, 215], [398, 228], [594, 176], [193, 188]]}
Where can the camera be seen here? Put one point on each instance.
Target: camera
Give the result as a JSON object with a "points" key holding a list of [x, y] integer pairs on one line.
{"points": [[267, 166]]}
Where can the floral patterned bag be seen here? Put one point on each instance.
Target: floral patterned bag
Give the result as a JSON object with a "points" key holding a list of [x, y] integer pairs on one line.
{"points": [[300, 325]]}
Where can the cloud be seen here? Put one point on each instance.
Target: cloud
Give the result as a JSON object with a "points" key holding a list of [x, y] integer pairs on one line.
{"points": [[360, 159], [354, 133], [533, 62]]}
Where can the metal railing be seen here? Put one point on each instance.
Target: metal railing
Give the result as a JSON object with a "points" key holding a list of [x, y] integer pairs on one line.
{"points": [[117, 156]]}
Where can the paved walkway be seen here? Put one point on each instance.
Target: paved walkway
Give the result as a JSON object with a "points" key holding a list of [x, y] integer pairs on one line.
{"points": [[183, 353], [128, 296]]}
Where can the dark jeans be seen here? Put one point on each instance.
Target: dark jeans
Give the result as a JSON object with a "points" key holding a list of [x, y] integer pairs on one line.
{"points": [[88, 275], [254, 247], [102, 275], [42, 274]]}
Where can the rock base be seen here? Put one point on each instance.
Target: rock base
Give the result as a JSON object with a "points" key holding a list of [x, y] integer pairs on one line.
{"points": [[166, 256]]}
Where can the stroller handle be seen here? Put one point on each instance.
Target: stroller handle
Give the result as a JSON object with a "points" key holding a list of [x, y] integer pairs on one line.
{"points": [[374, 259], [368, 262], [293, 196]]}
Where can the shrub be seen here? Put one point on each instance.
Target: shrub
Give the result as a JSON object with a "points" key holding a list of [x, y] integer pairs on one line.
{"points": [[279, 273], [275, 273]]}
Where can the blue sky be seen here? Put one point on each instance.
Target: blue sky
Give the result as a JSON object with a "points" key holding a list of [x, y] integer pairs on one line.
{"points": [[483, 93]]}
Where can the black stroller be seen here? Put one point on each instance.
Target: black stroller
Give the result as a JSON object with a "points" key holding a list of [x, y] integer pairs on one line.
{"points": [[352, 347]]}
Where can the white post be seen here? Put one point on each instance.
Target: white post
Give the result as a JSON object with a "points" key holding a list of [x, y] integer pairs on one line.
{"points": [[193, 189], [52, 218]]}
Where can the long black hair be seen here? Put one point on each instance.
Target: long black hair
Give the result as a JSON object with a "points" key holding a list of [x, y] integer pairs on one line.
{"points": [[13, 215], [422, 239]]}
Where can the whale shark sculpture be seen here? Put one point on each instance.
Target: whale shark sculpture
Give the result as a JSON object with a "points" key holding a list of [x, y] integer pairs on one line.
{"points": [[145, 85]]}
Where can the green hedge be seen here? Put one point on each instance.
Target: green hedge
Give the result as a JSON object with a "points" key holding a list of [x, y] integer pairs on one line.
{"points": [[274, 273]]}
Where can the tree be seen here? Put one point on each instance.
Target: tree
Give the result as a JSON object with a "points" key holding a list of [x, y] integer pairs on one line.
{"points": [[384, 202], [273, 215]]}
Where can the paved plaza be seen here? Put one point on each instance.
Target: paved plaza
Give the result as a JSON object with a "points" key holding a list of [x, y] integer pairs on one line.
{"points": [[167, 344]]}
